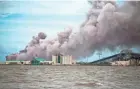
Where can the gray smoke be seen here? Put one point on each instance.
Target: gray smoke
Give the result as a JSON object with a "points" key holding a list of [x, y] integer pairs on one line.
{"points": [[107, 26]]}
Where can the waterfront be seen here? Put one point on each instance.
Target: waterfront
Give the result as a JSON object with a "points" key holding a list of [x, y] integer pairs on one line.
{"points": [[69, 77]]}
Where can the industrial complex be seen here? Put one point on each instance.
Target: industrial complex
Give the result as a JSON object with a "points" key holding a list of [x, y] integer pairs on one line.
{"points": [[124, 58], [56, 60], [60, 59]]}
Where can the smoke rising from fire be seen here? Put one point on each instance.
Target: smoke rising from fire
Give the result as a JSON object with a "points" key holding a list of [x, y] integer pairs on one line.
{"points": [[107, 26]]}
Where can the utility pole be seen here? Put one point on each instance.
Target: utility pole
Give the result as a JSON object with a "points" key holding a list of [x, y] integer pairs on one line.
{"points": [[99, 54], [87, 59]]}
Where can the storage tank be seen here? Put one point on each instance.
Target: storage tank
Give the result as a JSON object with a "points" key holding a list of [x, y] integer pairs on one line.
{"points": [[66, 60], [54, 59], [63, 59]]}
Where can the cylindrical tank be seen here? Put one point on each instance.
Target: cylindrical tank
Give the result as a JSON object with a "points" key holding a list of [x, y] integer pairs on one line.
{"points": [[54, 59], [63, 58]]}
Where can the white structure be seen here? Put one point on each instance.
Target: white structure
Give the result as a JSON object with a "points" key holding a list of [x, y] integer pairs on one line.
{"points": [[65, 60], [18, 62], [46, 62], [54, 59], [12, 62], [26, 62]]}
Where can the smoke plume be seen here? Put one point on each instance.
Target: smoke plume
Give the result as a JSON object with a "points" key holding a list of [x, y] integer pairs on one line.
{"points": [[107, 26]]}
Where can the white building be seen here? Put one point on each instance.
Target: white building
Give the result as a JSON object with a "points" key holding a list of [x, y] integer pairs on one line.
{"points": [[26, 62], [46, 62], [13, 62], [18, 62], [65, 60]]}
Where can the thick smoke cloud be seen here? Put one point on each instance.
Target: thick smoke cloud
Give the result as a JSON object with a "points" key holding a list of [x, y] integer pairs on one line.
{"points": [[107, 26]]}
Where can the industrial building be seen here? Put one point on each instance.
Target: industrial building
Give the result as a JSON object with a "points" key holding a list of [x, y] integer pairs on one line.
{"points": [[26, 62], [124, 58], [63, 60], [18, 62], [13, 62], [56, 60], [37, 61], [40, 61]]}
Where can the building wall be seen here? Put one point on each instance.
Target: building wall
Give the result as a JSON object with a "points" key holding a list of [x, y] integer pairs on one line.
{"points": [[14, 62], [54, 59], [46, 62], [67, 59], [35, 62], [63, 60], [26, 62]]}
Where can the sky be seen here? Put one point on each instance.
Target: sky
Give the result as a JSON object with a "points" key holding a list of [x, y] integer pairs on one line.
{"points": [[20, 20]]}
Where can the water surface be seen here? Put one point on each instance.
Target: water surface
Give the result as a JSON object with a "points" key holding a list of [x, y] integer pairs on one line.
{"points": [[69, 77]]}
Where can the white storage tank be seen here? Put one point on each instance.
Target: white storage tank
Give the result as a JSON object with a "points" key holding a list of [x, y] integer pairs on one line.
{"points": [[54, 59], [63, 60]]}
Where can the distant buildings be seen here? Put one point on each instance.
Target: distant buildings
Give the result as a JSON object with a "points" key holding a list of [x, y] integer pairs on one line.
{"points": [[124, 58], [17, 62], [26, 62], [65, 60], [37, 61], [40, 61], [56, 60], [12, 62]]}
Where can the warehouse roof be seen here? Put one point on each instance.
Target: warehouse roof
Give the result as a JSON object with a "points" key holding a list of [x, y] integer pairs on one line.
{"points": [[39, 59]]}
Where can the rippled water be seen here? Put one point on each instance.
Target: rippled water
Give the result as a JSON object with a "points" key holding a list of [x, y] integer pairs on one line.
{"points": [[69, 77]]}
